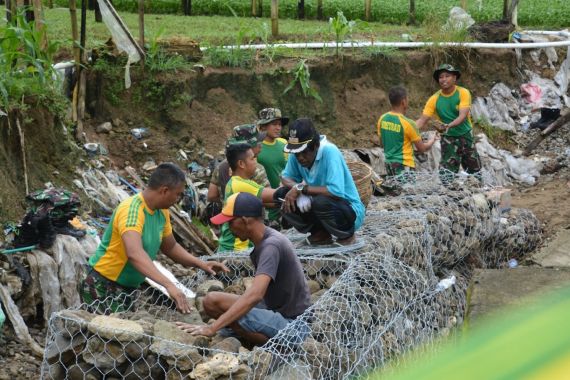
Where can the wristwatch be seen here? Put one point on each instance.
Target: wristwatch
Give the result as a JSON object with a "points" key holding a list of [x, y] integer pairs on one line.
{"points": [[301, 188]]}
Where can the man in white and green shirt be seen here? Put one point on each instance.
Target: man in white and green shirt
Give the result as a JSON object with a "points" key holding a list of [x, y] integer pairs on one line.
{"points": [[272, 155]]}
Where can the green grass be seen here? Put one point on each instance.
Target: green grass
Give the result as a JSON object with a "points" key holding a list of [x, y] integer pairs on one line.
{"points": [[554, 13], [215, 30]]}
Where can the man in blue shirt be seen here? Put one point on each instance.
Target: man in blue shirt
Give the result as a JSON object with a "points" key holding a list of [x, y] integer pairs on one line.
{"points": [[319, 195]]}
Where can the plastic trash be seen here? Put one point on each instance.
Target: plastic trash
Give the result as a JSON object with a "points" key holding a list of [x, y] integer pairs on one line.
{"points": [[2, 316], [445, 284], [513, 263], [140, 133]]}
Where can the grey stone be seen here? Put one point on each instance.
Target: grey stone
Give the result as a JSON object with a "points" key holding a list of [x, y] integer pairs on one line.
{"points": [[114, 328], [83, 371], [75, 321], [104, 128], [209, 286], [230, 344], [105, 356], [180, 349], [556, 253], [64, 349]]}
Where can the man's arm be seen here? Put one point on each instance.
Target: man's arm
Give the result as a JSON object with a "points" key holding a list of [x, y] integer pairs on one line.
{"points": [[291, 197], [463, 112], [241, 307], [422, 146], [137, 256], [172, 249], [422, 121], [213, 193]]}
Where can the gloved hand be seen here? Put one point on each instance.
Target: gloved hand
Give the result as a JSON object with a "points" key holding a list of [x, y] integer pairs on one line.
{"points": [[303, 203]]}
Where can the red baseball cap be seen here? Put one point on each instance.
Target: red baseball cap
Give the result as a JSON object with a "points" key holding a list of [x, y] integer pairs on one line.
{"points": [[239, 204]]}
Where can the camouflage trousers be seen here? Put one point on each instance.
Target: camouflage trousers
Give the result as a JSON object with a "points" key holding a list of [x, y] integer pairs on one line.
{"points": [[458, 151], [400, 172], [104, 296]]}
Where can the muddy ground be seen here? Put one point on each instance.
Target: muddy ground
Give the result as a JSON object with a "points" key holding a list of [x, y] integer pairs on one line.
{"points": [[196, 111]]}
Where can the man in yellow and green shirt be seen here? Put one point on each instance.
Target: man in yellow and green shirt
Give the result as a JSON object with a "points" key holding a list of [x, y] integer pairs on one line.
{"points": [[451, 106], [272, 155], [138, 229], [242, 162], [398, 133]]}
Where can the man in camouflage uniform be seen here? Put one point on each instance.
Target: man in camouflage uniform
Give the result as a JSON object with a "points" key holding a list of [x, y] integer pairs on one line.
{"points": [[451, 105], [246, 133]]}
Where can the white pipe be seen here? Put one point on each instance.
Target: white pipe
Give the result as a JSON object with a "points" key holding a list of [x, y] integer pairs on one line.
{"points": [[360, 44], [561, 33]]}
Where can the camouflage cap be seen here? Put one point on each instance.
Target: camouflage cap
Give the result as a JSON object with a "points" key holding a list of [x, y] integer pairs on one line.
{"points": [[245, 134], [446, 67], [267, 115]]}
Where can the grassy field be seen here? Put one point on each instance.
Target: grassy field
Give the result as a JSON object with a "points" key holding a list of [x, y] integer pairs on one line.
{"points": [[215, 30], [552, 13]]}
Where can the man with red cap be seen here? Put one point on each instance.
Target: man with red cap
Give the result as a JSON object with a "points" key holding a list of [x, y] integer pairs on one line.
{"points": [[279, 292]]}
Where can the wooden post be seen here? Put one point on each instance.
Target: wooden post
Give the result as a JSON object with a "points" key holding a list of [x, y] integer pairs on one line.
{"points": [[254, 8], [367, 9], [40, 24], [464, 4], [320, 9], [275, 18], [301, 9], [412, 18], [141, 23]]}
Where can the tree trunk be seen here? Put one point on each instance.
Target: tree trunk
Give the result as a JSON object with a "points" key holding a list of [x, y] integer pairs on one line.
{"points": [[187, 7], [9, 11], [274, 18], [513, 13], [464, 4], [254, 8], [367, 9], [40, 23], [94, 6], [505, 9], [301, 9], [412, 19], [320, 9]]}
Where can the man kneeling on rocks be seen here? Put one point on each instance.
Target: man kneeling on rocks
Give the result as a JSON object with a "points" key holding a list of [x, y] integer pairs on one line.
{"points": [[279, 292]]}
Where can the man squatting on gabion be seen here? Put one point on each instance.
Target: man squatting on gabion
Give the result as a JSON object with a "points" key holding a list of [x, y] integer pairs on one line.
{"points": [[279, 283]]}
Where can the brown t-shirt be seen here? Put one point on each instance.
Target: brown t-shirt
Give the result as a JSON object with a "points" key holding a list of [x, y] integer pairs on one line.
{"points": [[288, 293]]}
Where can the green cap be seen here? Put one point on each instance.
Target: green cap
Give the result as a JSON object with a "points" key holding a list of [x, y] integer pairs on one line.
{"points": [[267, 115], [245, 134], [446, 67]]}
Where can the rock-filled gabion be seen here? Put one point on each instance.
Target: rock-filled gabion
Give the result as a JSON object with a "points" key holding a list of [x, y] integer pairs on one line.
{"points": [[370, 304]]}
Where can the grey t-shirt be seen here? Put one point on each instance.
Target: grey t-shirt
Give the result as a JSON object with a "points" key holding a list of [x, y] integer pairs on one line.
{"points": [[288, 293]]}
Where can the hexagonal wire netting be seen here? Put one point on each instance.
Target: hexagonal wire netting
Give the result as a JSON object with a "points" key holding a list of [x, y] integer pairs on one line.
{"points": [[371, 302]]}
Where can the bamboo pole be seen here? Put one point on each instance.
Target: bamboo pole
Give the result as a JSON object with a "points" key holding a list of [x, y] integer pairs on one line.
{"points": [[275, 18], [141, 23], [40, 24], [76, 55], [367, 9], [412, 18]]}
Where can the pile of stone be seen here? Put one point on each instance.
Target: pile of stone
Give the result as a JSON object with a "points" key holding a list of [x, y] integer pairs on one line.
{"points": [[144, 341]]}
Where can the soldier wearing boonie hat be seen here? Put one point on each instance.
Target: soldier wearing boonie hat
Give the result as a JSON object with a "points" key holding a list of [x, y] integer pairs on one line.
{"points": [[272, 155], [244, 133], [451, 106]]}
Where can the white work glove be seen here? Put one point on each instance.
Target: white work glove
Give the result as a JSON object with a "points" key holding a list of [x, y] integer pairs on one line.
{"points": [[303, 203]]}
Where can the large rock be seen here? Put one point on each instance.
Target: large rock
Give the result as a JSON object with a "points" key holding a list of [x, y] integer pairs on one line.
{"points": [[83, 371], [209, 286], [74, 322], [556, 253], [230, 344], [63, 349], [117, 329], [104, 355], [180, 349], [222, 364]]}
